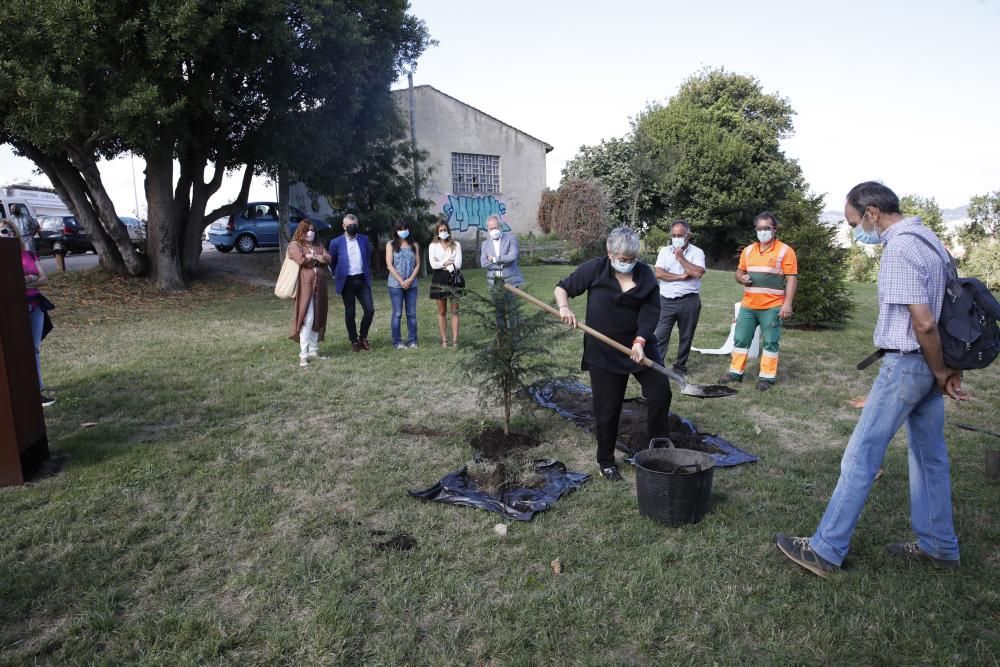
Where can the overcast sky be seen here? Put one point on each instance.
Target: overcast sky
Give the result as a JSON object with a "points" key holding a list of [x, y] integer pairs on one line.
{"points": [[902, 92]]}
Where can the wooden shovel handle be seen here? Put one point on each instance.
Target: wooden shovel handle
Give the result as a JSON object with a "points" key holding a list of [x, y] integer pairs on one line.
{"points": [[646, 361]]}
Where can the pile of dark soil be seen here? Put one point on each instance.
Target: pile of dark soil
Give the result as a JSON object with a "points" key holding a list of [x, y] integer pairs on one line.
{"points": [[632, 432], [500, 462], [632, 425], [493, 444]]}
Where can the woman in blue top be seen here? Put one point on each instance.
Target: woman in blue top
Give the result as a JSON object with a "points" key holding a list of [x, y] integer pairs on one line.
{"points": [[402, 257]]}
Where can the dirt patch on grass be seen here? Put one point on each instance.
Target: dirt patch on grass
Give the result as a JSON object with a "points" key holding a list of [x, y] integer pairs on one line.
{"points": [[395, 542], [493, 444]]}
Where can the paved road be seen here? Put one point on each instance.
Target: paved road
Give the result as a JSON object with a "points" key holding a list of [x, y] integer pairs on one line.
{"points": [[89, 260]]}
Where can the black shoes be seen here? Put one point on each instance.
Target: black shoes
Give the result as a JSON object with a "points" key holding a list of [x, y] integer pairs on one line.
{"points": [[611, 474], [728, 378], [910, 551], [47, 400], [798, 551], [764, 385]]}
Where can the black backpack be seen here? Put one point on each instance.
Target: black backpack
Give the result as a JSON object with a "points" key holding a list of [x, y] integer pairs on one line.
{"points": [[970, 337]]}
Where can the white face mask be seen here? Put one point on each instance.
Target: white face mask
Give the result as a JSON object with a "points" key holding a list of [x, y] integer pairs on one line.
{"points": [[443, 235], [495, 234], [310, 236], [765, 235], [678, 243], [623, 267]]}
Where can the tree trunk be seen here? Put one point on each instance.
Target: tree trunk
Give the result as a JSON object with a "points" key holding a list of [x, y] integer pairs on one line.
{"points": [[87, 166], [74, 192], [163, 245], [284, 213]]}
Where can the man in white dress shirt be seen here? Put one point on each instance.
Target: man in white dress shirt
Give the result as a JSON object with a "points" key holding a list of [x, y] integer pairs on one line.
{"points": [[679, 268]]}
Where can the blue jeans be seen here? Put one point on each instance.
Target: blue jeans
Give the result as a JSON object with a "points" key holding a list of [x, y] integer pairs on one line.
{"points": [[904, 391], [399, 296], [37, 318]]}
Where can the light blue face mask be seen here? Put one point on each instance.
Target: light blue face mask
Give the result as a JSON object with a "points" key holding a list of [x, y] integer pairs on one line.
{"points": [[765, 235], [403, 233], [861, 235], [623, 267], [678, 242]]}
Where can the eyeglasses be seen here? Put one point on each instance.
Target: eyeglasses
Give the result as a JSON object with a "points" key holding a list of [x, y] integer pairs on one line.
{"points": [[6, 232]]}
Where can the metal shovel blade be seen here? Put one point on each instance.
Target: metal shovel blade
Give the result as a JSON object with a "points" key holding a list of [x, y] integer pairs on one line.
{"points": [[696, 390]]}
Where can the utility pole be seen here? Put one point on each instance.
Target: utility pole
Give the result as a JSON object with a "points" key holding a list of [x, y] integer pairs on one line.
{"points": [[413, 139]]}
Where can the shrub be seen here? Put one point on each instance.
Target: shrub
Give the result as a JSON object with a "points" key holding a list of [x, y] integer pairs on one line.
{"points": [[545, 205], [982, 261], [580, 215], [862, 267], [821, 298]]}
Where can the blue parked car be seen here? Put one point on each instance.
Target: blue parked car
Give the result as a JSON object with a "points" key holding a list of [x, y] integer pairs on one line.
{"points": [[256, 226]]}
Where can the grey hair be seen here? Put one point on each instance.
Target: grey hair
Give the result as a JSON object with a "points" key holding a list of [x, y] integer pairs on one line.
{"points": [[683, 223], [350, 217], [623, 241], [494, 217]]}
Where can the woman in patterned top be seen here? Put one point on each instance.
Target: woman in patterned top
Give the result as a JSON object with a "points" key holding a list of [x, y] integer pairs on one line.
{"points": [[402, 258]]}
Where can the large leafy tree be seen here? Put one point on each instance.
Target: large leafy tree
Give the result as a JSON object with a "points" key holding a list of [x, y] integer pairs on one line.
{"points": [[926, 208], [984, 219], [717, 142], [209, 85]]}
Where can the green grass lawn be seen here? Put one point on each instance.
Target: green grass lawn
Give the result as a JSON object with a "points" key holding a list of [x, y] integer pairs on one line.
{"points": [[228, 507]]}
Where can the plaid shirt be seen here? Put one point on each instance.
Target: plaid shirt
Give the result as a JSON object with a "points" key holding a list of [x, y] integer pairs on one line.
{"points": [[909, 273]]}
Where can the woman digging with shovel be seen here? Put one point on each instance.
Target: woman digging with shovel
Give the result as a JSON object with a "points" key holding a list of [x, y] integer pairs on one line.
{"points": [[623, 302]]}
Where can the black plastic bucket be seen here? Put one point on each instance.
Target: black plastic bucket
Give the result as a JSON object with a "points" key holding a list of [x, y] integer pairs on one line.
{"points": [[673, 485]]}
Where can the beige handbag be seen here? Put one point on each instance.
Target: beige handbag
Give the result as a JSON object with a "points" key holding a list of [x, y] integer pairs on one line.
{"points": [[288, 280]]}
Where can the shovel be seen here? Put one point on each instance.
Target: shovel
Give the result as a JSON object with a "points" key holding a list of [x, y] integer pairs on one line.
{"points": [[696, 390]]}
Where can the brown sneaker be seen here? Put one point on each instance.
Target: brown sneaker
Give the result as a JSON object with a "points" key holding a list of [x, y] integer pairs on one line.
{"points": [[355, 347], [365, 345], [910, 551]]}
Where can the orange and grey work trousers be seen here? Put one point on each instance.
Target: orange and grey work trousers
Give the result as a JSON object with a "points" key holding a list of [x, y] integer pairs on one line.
{"points": [[770, 336]]}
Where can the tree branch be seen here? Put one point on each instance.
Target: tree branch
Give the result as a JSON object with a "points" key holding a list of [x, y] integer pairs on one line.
{"points": [[241, 198]]}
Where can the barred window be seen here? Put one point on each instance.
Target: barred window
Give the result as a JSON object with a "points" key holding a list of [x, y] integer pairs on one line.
{"points": [[475, 174]]}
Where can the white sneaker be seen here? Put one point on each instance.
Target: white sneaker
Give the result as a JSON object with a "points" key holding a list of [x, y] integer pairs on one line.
{"points": [[303, 362]]}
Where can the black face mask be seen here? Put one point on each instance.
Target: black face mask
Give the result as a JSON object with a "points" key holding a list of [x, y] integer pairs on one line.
{"points": [[352, 230]]}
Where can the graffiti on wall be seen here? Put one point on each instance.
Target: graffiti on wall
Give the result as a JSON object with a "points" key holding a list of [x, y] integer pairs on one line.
{"points": [[464, 211]]}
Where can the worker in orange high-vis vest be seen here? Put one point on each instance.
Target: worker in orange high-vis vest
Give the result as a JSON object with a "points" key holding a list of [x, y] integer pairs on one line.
{"points": [[768, 271]]}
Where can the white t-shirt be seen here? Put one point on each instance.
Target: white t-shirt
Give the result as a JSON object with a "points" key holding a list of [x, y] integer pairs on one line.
{"points": [[665, 260], [353, 256]]}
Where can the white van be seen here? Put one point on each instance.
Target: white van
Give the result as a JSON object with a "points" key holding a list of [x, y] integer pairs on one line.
{"points": [[38, 203]]}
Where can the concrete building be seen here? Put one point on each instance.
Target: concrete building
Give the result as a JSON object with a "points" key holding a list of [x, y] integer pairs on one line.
{"points": [[479, 165]]}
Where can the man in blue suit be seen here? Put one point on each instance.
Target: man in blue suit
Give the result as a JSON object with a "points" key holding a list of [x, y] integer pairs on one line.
{"points": [[349, 261]]}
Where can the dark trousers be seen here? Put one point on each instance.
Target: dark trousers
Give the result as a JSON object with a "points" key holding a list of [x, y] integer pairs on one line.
{"points": [[355, 288], [609, 391], [684, 311]]}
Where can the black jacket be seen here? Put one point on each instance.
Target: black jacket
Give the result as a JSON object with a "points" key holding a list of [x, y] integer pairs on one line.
{"points": [[619, 315]]}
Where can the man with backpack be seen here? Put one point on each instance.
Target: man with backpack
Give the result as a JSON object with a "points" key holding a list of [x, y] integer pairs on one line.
{"points": [[909, 389]]}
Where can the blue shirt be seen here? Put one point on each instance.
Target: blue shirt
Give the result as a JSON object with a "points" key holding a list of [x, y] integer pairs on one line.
{"points": [[909, 273]]}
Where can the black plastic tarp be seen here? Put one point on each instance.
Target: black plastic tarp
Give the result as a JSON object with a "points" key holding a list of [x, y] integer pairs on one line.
{"points": [[547, 393], [518, 504]]}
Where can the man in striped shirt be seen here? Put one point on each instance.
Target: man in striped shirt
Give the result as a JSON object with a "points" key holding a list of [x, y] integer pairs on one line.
{"points": [[908, 390], [768, 271]]}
